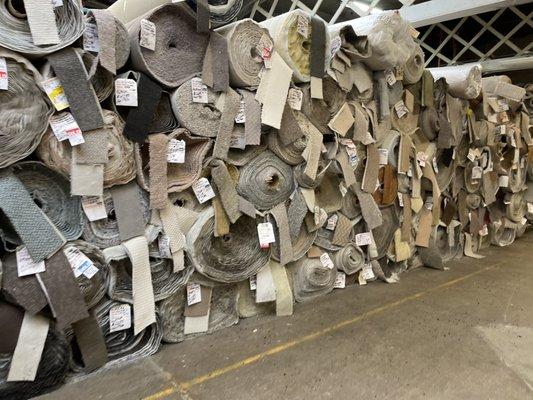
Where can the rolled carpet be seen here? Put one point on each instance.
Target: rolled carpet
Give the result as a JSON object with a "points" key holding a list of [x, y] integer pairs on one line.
{"points": [[230, 258], [120, 169], [414, 67], [464, 81], [15, 31], [349, 259], [221, 12], [25, 111], [246, 40], [310, 279], [51, 192], [222, 313], [179, 49]]}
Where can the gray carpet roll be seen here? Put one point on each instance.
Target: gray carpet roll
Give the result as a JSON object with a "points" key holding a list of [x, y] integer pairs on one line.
{"points": [[25, 110], [310, 279], [179, 49], [349, 259]]}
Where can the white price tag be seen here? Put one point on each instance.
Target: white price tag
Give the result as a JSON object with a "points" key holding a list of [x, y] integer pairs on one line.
{"points": [[325, 259], [119, 317], [203, 190], [332, 222], [163, 243], [530, 208], [383, 156], [401, 109], [340, 281], [265, 231], [295, 98], [253, 282], [94, 208], [503, 181], [390, 76], [194, 293], [264, 47], [422, 159], [335, 45], [90, 38], [477, 172], [363, 239], [367, 272], [176, 151], [55, 93], [352, 156], [303, 25], [25, 264], [126, 92], [484, 231], [4, 77], [240, 118], [400, 199], [80, 263], [471, 155], [199, 91], [148, 34], [65, 126]]}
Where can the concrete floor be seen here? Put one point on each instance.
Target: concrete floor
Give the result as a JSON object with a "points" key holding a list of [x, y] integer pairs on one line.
{"points": [[466, 333]]}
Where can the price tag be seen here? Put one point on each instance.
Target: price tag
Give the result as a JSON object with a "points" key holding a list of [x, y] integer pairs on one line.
{"points": [[363, 239], [55, 93], [199, 91], [94, 208], [119, 317], [203, 190], [264, 47], [25, 264], [265, 231], [484, 231], [477, 172], [148, 34], [422, 159], [383, 156], [65, 126], [530, 208], [335, 45], [295, 98], [340, 281], [240, 118], [332, 222], [194, 293], [367, 272], [90, 38], [413, 32], [126, 92], [80, 263], [163, 243], [400, 199], [401, 109], [4, 77], [503, 181], [253, 282], [303, 25], [325, 259], [176, 151], [390, 76], [398, 71]]}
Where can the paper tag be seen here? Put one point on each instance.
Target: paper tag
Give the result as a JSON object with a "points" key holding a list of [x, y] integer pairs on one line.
{"points": [[148, 34], [400, 199], [126, 92], [74, 135], [352, 156], [383, 156], [501, 129], [471, 155], [335, 45], [503, 104], [398, 71], [340, 280], [435, 165], [80, 263], [264, 47], [4, 77], [25, 264], [55, 93], [303, 26], [203, 190], [194, 293], [422, 158], [325, 259], [295, 98], [530, 208], [199, 91], [176, 151], [363, 239], [413, 32], [253, 282], [163, 243], [240, 118], [484, 231], [429, 203], [367, 272], [60, 123], [332, 222], [503, 181], [238, 139], [265, 231], [401, 109], [343, 189], [94, 208], [477, 172], [119, 317], [90, 38], [390, 76]]}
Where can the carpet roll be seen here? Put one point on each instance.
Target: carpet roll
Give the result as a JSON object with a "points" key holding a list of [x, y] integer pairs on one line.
{"points": [[51, 192], [414, 67], [221, 12], [15, 31], [349, 259], [231, 258], [119, 170], [464, 81], [289, 153], [25, 110], [179, 49], [310, 279], [246, 40], [266, 181]]}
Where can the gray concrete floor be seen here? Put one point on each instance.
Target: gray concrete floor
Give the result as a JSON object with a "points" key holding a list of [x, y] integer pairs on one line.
{"points": [[465, 333]]}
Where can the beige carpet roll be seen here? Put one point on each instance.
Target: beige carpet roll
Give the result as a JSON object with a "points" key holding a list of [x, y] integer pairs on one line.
{"points": [[464, 80]]}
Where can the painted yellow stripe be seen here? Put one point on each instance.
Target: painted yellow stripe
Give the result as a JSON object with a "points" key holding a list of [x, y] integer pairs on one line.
{"points": [[184, 386]]}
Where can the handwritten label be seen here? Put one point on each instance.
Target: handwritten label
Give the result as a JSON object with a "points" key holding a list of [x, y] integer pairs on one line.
{"points": [[90, 38], [363, 239], [199, 91], [126, 92], [55, 93], [148, 34], [303, 25], [203, 190], [383, 156], [367, 272], [265, 231], [390, 76], [400, 199], [80, 263], [340, 281], [477, 172], [194, 293], [335, 45], [401, 109], [94, 208], [176, 151], [253, 282], [26, 266], [163, 243], [240, 118], [295, 98], [332, 222], [119, 317], [326, 261]]}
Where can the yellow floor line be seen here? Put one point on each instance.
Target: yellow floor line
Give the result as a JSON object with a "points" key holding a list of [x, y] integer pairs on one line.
{"points": [[184, 386]]}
